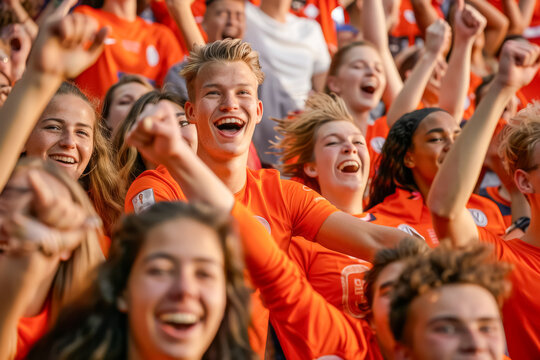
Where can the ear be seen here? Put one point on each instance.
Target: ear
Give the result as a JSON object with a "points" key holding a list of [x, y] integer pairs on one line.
{"points": [[311, 170], [190, 111], [259, 111], [522, 181], [408, 160], [121, 304], [333, 84]]}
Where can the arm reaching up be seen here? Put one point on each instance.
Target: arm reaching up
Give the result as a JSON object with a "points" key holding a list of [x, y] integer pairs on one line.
{"points": [[457, 176]]}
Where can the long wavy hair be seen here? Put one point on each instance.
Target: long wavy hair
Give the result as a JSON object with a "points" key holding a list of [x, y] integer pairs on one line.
{"points": [[94, 328], [99, 178], [392, 171], [129, 162]]}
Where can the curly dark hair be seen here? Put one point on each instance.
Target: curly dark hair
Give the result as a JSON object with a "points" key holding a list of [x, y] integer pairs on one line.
{"points": [[474, 265], [392, 171], [92, 327]]}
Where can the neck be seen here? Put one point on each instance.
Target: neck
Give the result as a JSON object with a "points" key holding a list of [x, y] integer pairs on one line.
{"points": [[276, 9], [349, 201], [126, 10], [361, 119], [422, 185], [532, 236], [232, 172]]}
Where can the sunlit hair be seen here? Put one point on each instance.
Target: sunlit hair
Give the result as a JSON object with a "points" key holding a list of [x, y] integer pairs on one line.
{"points": [[94, 328], [406, 249], [128, 160], [99, 178], [299, 134], [520, 138], [475, 265], [72, 274], [338, 59], [228, 50], [126, 79], [392, 171]]}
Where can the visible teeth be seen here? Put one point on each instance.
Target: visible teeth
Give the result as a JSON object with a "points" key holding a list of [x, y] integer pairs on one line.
{"points": [[230, 121], [349, 163], [370, 84], [179, 318], [65, 159]]}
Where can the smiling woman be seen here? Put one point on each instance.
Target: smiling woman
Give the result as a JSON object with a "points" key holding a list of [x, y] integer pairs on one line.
{"points": [[70, 134], [160, 295]]}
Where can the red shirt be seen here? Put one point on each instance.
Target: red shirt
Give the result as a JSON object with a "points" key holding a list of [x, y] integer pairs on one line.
{"points": [[520, 312], [30, 330]]}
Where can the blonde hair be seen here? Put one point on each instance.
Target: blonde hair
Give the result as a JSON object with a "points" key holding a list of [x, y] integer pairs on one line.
{"points": [[228, 50], [520, 138], [299, 133], [72, 275]]}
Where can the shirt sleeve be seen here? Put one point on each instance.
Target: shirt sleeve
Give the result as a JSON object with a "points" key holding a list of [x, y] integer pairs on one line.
{"points": [[148, 189]]}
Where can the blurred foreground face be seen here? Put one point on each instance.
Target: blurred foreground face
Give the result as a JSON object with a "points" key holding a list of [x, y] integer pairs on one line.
{"points": [[175, 297], [224, 19], [458, 321]]}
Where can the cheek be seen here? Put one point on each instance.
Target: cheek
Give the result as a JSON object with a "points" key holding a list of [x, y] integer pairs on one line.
{"points": [[39, 143]]}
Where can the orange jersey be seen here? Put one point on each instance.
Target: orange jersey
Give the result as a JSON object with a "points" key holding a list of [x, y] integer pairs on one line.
{"points": [[339, 278], [301, 317], [30, 330], [492, 193], [284, 207], [470, 100], [407, 211], [520, 312], [131, 47], [376, 135]]}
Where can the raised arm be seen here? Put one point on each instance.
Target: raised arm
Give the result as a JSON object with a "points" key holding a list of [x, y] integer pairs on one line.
{"points": [[425, 14], [457, 176], [438, 37], [468, 24], [374, 30], [63, 48], [496, 26], [180, 11]]}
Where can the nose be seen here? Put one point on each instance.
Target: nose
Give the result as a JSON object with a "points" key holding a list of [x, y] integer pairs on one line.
{"points": [[229, 102], [472, 341], [67, 140], [184, 284], [349, 148]]}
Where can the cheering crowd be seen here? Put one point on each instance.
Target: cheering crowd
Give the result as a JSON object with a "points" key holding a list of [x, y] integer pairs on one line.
{"points": [[270, 179]]}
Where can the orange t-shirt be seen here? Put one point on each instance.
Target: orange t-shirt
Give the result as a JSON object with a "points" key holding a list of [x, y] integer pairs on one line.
{"points": [[284, 207], [492, 193], [520, 311], [30, 330], [407, 211], [131, 47], [309, 326]]}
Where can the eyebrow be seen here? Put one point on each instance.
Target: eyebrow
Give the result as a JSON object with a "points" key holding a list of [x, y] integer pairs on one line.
{"points": [[220, 85], [387, 284], [63, 122], [164, 255], [441, 130], [455, 319], [339, 136]]}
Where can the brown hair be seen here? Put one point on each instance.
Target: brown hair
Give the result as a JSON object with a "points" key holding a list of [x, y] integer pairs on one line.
{"points": [[228, 50], [93, 327], [520, 138], [299, 133], [474, 265], [99, 177]]}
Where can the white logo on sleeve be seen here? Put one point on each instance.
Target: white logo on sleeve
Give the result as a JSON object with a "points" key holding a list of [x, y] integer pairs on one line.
{"points": [[143, 200], [480, 219], [152, 56], [377, 144], [410, 230], [329, 357], [265, 223]]}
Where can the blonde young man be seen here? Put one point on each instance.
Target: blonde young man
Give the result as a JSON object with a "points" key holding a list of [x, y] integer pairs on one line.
{"points": [[222, 80]]}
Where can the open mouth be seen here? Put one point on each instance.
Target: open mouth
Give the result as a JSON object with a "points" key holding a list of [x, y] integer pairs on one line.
{"points": [[178, 324], [349, 166], [66, 160], [230, 125], [369, 86]]}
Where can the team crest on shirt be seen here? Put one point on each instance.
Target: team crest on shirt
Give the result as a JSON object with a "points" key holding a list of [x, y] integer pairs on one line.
{"points": [[377, 144], [264, 222], [152, 56], [480, 219], [143, 200], [410, 230]]}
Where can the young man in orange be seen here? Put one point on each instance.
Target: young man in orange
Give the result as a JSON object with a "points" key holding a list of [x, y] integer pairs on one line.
{"points": [[222, 80], [456, 180]]}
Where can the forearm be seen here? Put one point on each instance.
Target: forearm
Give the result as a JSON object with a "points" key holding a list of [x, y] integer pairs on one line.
{"points": [[496, 26], [515, 23], [526, 7], [183, 17], [22, 108], [424, 13], [413, 89], [456, 178], [455, 83], [25, 20]]}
